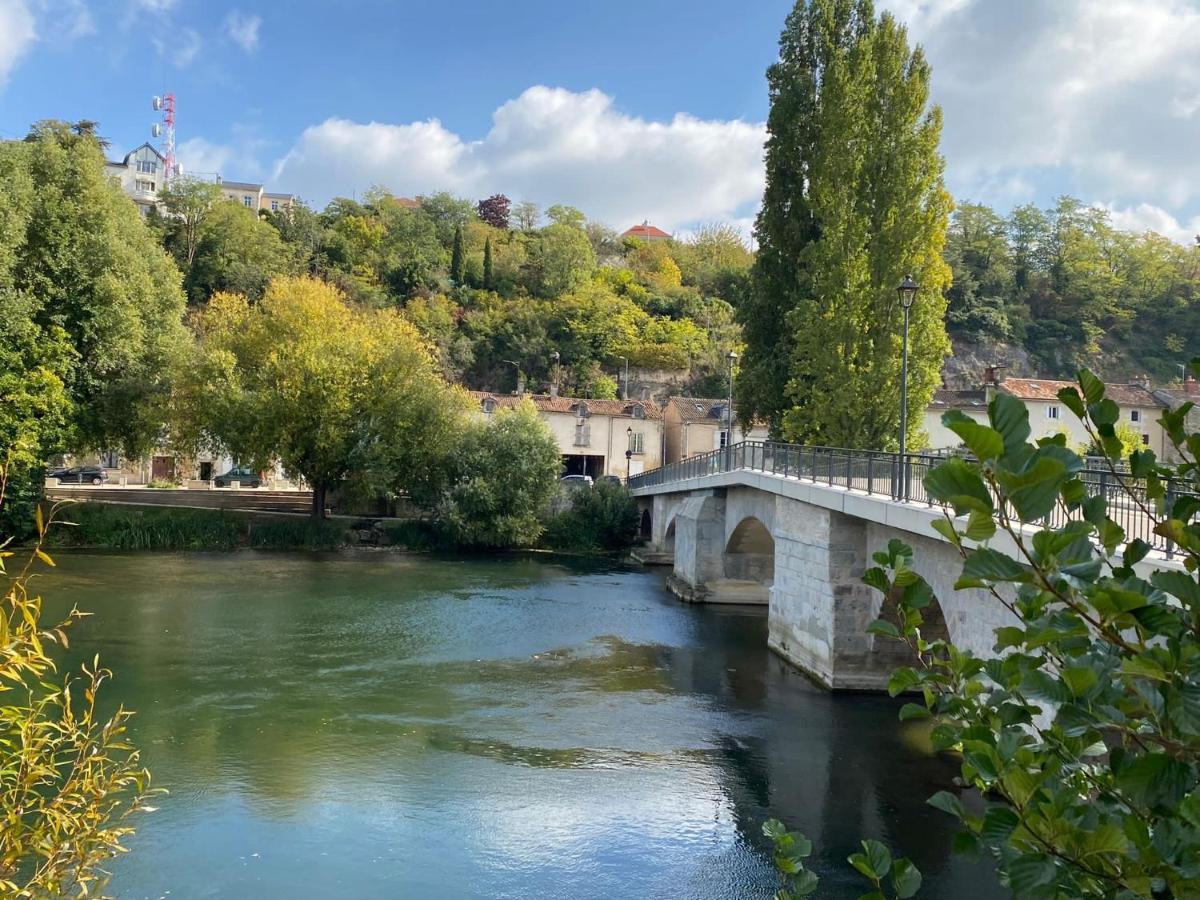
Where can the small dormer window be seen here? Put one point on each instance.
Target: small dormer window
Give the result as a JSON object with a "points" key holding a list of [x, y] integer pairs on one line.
{"points": [[638, 411], [489, 405], [582, 411]]}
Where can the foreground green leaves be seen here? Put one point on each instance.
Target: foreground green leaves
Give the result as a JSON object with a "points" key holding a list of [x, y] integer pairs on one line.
{"points": [[1082, 732]]}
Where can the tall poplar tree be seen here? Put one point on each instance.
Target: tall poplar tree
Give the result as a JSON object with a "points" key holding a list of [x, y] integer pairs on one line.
{"points": [[458, 258], [854, 200], [488, 271]]}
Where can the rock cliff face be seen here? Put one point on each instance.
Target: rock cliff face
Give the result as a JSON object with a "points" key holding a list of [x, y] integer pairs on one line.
{"points": [[964, 370]]}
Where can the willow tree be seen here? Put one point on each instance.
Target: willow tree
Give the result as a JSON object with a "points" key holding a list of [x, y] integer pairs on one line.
{"points": [[854, 200]]}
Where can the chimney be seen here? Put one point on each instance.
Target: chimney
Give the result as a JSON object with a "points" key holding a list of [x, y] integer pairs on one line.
{"points": [[1191, 387], [520, 385], [991, 380], [554, 390]]}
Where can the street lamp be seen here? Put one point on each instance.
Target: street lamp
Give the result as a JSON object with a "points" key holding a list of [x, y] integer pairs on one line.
{"points": [[628, 451], [555, 371], [907, 291], [729, 435]]}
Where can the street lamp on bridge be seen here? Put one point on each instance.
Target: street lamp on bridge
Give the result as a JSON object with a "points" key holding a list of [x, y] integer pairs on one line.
{"points": [[907, 291]]}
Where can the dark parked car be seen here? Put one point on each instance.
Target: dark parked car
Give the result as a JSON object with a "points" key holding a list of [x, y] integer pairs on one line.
{"points": [[241, 475], [80, 475]]}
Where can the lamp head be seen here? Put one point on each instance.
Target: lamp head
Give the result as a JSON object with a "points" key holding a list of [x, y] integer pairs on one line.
{"points": [[907, 289]]}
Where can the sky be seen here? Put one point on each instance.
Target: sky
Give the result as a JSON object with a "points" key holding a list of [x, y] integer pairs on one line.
{"points": [[649, 111]]}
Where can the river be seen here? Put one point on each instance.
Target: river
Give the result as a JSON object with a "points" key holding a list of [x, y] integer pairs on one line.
{"points": [[379, 726]]}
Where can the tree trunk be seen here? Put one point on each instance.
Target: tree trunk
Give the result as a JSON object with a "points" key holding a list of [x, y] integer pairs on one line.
{"points": [[318, 498]]}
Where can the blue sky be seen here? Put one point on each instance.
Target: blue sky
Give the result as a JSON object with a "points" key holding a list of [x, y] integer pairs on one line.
{"points": [[629, 111]]}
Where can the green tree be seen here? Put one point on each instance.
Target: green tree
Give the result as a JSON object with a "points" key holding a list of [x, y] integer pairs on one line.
{"points": [[603, 519], [447, 213], [237, 251], [854, 201], [560, 214], [526, 215], [560, 259], [332, 392], [1082, 733], [458, 258], [489, 275], [506, 473], [78, 260], [187, 202]]}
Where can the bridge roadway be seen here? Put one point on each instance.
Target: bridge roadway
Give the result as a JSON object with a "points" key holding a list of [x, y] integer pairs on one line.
{"points": [[734, 531]]}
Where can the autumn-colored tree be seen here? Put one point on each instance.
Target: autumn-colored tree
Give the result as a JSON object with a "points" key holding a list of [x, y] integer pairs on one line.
{"points": [[494, 210]]}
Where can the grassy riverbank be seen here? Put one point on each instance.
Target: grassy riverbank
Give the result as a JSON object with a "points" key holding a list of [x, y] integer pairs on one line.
{"points": [[589, 528], [116, 527]]}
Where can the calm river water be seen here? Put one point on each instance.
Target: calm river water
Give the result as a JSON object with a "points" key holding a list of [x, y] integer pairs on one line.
{"points": [[385, 726]]}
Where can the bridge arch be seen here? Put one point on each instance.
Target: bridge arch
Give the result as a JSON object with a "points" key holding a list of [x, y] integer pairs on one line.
{"points": [[645, 525], [668, 541], [750, 552]]}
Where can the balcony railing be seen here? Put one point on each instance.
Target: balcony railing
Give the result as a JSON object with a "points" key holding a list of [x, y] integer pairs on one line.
{"points": [[886, 475]]}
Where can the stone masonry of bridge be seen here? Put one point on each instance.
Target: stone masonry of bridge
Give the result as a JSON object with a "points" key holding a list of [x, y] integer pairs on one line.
{"points": [[802, 548]]}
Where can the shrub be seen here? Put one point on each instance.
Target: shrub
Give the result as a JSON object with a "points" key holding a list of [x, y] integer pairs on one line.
{"points": [[506, 472], [1083, 731], [604, 518], [297, 534], [115, 527], [69, 779]]}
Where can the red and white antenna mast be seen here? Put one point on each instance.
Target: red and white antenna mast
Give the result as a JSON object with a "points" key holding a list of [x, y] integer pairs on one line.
{"points": [[166, 104]]}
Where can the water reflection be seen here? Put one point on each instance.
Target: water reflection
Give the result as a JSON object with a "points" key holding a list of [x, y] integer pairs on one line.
{"points": [[376, 726]]}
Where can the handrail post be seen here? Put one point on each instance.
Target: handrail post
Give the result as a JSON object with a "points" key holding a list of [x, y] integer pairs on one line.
{"points": [[870, 472]]}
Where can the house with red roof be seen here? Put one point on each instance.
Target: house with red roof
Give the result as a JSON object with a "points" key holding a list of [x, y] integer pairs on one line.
{"points": [[646, 232]]}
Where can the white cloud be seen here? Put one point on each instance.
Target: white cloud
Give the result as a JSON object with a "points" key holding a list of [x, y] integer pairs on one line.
{"points": [[156, 6], [16, 35], [548, 145], [1099, 99], [201, 157], [1145, 217], [243, 30]]}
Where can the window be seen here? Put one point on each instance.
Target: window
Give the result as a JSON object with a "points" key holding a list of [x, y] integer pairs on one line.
{"points": [[637, 442], [274, 206], [146, 186], [582, 411], [247, 200], [583, 435], [722, 438], [1135, 415], [489, 405], [1051, 412], [638, 411], [110, 459], [1145, 440], [148, 166]]}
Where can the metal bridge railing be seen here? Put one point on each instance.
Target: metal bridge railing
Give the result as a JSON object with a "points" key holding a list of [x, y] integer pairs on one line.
{"points": [[887, 475]]}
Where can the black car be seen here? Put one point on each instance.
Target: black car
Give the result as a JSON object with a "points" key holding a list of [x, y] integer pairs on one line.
{"points": [[80, 475], [243, 476]]}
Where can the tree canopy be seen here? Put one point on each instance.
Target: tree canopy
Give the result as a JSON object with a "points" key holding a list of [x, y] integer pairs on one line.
{"points": [[854, 201]]}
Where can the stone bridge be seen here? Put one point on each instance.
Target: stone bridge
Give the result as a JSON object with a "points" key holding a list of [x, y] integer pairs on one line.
{"points": [[800, 548]]}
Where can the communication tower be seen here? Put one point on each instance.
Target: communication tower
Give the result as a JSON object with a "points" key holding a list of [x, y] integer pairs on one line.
{"points": [[166, 130]]}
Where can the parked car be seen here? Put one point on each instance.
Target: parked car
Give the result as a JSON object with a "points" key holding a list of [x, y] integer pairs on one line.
{"points": [[241, 475], [576, 482], [79, 475]]}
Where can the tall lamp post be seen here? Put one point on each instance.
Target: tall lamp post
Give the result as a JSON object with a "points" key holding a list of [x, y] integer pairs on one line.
{"points": [[732, 357], [628, 451], [907, 289]]}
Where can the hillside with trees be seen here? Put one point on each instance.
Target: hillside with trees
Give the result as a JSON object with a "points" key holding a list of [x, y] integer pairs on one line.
{"points": [[497, 288], [1055, 290]]}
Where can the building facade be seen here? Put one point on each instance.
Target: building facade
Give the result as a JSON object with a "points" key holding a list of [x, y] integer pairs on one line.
{"points": [[646, 232], [593, 435], [1139, 408], [694, 425], [142, 171], [140, 174]]}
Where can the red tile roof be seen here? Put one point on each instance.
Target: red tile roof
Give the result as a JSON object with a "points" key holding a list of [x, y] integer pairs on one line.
{"points": [[1044, 389], [645, 230], [570, 405]]}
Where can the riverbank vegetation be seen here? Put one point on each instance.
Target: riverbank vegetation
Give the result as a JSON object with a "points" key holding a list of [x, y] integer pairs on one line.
{"points": [[69, 779]]}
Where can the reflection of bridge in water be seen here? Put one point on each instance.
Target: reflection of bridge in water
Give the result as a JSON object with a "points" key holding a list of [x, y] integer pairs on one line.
{"points": [[794, 528]]}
